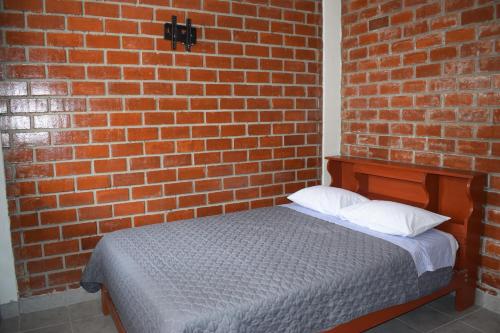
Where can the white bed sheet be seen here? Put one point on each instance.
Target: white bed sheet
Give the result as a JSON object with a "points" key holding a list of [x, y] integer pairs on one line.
{"points": [[431, 250]]}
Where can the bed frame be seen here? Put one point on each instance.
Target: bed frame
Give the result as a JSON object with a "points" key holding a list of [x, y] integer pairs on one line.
{"points": [[454, 193]]}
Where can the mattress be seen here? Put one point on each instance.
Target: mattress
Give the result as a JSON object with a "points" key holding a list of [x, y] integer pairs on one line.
{"points": [[431, 250], [264, 270]]}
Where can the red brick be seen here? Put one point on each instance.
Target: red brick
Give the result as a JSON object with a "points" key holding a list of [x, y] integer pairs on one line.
{"points": [[63, 6], [88, 88], [61, 247], [93, 182], [113, 195], [47, 55], [443, 53], [94, 212], [428, 70], [77, 230], [26, 72], [25, 5], [72, 168], [489, 132], [126, 119], [46, 22], [48, 88], [126, 149], [119, 26], [122, 57], [24, 38], [36, 203], [102, 41], [146, 192], [105, 104], [76, 199], [144, 163], [129, 208], [458, 4], [112, 165], [66, 72], [127, 179], [84, 56], [64, 277], [136, 12], [84, 24], [90, 242], [58, 216], [192, 200], [55, 186], [188, 60], [477, 15], [148, 219], [64, 39], [161, 176], [108, 135], [45, 265], [490, 64], [101, 9], [460, 35], [77, 260], [97, 151], [444, 22], [191, 173], [458, 99], [180, 215], [37, 235]]}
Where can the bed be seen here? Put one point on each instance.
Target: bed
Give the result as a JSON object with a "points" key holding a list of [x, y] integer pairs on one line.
{"points": [[283, 269]]}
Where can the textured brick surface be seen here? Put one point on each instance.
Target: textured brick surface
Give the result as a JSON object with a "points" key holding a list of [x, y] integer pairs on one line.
{"points": [[425, 89], [105, 127]]}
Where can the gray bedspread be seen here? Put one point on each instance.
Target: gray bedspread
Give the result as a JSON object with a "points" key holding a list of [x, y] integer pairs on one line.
{"points": [[263, 270]]}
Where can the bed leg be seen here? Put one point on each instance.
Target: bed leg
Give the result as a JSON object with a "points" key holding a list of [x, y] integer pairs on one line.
{"points": [[105, 301], [465, 297]]}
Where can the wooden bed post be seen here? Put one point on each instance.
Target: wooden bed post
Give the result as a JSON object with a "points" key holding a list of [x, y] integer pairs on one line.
{"points": [[108, 308], [465, 296], [105, 301]]}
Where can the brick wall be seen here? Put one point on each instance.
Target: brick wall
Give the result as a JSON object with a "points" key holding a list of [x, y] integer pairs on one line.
{"points": [[105, 127], [421, 84]]}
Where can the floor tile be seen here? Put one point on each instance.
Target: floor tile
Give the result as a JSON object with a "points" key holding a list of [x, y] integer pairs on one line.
{"points": [[63, 328], [96, 325], [9, 325], [425, 319], [45, 318], [85, 310], [456, 327], [484, 320], [436, 317], [446, 304], [392, 326]]}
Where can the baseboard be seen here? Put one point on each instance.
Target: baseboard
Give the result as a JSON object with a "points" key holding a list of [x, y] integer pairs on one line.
{"points": [[488, 301], [9, 310], [45, 302]]}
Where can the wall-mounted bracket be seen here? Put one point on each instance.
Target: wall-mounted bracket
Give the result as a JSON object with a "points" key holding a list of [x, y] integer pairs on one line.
{"points": [[185, 34]]}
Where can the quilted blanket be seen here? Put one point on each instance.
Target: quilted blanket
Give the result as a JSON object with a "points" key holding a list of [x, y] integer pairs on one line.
{"points": [[264, 270]]}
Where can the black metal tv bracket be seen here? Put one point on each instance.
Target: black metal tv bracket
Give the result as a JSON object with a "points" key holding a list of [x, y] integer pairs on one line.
{"points": [[180, 33]]}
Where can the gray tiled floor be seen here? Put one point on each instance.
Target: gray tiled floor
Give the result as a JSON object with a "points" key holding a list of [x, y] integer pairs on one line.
{"points": [[438, 316]]}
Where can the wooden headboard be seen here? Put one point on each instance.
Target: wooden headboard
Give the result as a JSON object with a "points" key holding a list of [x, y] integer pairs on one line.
{"points": [[454, 193]]}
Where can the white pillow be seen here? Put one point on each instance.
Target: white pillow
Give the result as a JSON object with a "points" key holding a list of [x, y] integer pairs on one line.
{"points": [[326, 199], [392, 218]]}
